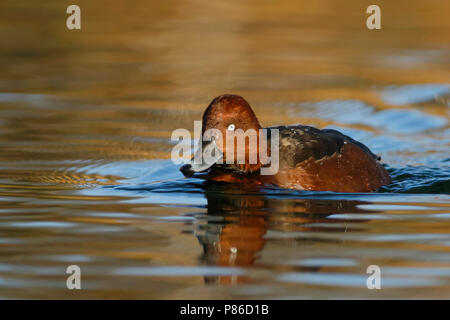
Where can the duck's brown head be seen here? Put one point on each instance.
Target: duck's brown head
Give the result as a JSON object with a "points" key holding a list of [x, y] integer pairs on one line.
{"points": [[226, 110], [228, 117]]}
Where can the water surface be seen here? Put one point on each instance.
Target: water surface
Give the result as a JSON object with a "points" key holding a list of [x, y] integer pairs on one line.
{"points": [[85, 171]]}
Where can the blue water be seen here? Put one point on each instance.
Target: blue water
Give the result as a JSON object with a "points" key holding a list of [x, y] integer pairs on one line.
{"points": [[86, 177]]}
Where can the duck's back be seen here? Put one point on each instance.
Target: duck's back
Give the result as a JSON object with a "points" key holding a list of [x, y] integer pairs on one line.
{"points": [[325, 159]]}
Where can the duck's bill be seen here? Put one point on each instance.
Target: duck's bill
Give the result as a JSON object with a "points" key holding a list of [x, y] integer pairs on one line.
{"points": [[204, 158]]}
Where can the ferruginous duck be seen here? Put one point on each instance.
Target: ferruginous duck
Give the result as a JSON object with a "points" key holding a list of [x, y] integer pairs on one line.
{"points": [[308, 158]]}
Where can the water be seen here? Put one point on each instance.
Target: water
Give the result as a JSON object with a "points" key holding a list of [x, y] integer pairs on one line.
{"points": [[85, 171]]}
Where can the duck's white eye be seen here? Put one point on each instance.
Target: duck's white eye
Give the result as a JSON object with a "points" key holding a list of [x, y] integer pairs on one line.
{"points": [[231, 127]]}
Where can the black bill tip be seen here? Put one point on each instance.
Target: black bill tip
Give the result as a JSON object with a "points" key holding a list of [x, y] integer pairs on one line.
{"points": [[187, 171]]}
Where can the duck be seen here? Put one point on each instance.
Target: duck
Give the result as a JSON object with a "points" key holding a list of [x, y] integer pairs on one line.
{"points": [[309, 158]]}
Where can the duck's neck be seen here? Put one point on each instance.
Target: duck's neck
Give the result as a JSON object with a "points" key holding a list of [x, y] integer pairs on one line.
{"points": [[263, 148]]}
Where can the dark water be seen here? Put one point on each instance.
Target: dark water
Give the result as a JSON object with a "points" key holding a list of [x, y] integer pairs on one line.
{"points": [[85, 171]]}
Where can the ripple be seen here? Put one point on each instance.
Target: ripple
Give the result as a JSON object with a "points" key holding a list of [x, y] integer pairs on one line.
{"points": [[177, 271], [416, 271], [35, 99], [354, 280], [420, 179], [359, 113], [323, 262], [40, 224], [416, 93]]}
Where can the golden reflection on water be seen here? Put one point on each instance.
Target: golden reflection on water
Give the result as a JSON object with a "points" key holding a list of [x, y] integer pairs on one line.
{"points": [[85, 122]]}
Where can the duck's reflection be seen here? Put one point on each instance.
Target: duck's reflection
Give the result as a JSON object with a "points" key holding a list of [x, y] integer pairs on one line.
{"points": [[238, 221]]}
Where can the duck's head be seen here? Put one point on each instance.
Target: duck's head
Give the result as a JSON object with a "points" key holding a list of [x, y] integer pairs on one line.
{"points": [[226, 117]]}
